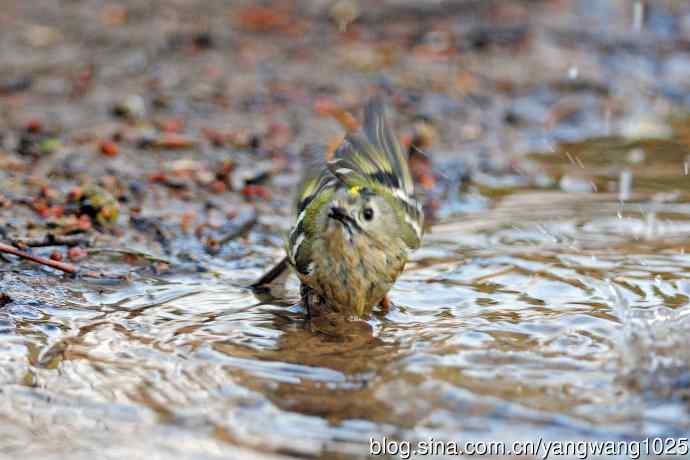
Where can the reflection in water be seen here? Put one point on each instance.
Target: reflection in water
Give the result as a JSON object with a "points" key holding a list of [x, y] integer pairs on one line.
{"points": [[557, 314]]}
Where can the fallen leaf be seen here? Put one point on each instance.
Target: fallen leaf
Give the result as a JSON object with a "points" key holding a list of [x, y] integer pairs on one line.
{"points": [[109, 148], [173, 141]]}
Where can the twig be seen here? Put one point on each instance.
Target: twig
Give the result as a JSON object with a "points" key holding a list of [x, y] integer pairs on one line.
{"points": [[213, 246], [62, 266], [270, 276], [15, 85], [146, 224], [53, 240], [240, 230], [129, 252]]}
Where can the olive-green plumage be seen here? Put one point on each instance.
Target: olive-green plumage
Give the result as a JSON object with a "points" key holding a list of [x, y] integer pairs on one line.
{"points": [[357, 220]]}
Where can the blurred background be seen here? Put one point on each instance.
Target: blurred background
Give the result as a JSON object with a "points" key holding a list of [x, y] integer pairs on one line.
{"points": [[153, 148], [565, 69]]}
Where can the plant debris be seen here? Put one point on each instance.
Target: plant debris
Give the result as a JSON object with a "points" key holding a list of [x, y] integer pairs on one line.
{"points": [[4, 299], [62, 266]]}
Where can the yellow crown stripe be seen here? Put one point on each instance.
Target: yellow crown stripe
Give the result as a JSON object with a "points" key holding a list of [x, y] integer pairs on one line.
{"points": [[354, 190]]}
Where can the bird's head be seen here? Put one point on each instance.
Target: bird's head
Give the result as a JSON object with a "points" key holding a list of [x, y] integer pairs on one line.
{"points": [[357, 214]]}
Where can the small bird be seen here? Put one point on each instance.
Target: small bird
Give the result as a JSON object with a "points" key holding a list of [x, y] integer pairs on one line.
{"points": [[357, 221]]}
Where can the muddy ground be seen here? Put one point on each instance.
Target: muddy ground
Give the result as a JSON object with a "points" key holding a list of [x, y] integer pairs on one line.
{"points": [[195, 116], [142, 139]]}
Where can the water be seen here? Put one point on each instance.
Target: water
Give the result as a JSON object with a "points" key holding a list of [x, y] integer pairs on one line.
{"points": [[537, 313]]}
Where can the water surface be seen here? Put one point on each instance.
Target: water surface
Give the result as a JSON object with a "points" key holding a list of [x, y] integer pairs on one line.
{"points": [[559, 310]]}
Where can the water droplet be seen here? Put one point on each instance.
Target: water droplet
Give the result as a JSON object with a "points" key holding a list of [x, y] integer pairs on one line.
{"points": [[638, 16], [573, 72], [625, 185]]}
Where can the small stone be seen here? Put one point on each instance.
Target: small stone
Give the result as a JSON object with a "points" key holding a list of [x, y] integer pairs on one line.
{"points": [[34, 126], [4, 299], [77, 253], [218, 187], [133, 106]]}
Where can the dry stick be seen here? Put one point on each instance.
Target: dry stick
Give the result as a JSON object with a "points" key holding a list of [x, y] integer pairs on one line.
{"points": [[240, 230], [54, 240], [127, 252], [62, 266]]}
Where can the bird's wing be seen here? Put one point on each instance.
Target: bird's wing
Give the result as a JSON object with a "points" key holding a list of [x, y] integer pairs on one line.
{"points": [[373, 159], [315, 190]]}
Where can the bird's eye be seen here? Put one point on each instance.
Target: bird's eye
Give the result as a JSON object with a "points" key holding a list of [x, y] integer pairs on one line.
{"points": [[368, 213]]}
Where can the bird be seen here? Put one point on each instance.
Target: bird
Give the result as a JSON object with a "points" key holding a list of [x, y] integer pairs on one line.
{"points": [[357, 221]]}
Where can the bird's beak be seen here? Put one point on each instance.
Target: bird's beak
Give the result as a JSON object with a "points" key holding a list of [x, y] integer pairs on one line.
{"points": [[341, 215]]}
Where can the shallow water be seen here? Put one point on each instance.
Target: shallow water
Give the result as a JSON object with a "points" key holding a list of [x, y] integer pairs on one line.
{"points": [[529, 312]]}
